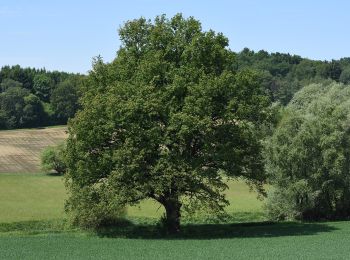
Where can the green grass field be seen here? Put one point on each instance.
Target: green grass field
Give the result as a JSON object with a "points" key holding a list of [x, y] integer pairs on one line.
{"points": [[32, 227], [283, 241], [28, 197]]}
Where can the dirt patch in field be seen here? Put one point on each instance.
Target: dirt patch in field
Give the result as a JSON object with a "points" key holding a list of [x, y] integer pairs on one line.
{"points": [[20, 149]]}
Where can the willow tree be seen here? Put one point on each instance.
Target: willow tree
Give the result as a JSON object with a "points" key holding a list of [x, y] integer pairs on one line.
{"points": [[308, 156], [167, 120]]}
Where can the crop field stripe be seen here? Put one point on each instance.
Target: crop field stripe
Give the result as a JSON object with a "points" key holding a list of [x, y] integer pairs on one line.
{"points": [[20, 149]]}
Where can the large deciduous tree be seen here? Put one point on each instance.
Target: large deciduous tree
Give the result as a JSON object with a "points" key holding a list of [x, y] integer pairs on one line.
{"points": [[167, 120]]}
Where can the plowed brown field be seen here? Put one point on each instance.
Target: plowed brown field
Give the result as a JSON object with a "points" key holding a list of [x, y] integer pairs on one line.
{"points": [[20, 149]]}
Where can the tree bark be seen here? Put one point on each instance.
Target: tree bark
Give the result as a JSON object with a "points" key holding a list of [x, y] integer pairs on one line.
{"points": [[173, 215]]}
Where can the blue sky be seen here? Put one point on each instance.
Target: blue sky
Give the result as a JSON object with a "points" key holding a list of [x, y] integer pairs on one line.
{"points": [[66, 34]]}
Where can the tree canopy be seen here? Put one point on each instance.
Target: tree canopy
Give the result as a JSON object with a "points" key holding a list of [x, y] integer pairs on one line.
{"points": [[309, 153], [167, 120]]}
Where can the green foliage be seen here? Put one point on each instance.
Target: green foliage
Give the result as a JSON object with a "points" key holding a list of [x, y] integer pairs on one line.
{"points": [[34, 97], [20, 108], [33, 111], [282, 75], [53, 159], [308, 155], [334, 70], [43, 86], [93, 207], [12, 103], [289, 73], [288, 203], [345, 76], [50, 118], [23, 75], [64, 100], [10, 83], [167, 119]]}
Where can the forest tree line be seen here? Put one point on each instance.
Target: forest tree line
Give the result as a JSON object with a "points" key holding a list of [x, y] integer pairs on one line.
{"points": [[35, 97], [282, 75]]}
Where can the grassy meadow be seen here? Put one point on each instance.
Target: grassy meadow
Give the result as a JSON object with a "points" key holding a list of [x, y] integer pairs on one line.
{"points": [[27, 197], [32, 227]]}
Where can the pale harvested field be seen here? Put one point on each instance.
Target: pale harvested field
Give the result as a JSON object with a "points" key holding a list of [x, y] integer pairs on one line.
{"points": [[20, 149]]}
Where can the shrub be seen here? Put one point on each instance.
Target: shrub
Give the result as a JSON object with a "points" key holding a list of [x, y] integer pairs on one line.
{"points": [[52, 159], [290, 202], [92, 207]]}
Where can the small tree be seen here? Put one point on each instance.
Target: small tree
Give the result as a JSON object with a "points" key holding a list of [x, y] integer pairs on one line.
{"points": [[52, 159], [167, 120]]}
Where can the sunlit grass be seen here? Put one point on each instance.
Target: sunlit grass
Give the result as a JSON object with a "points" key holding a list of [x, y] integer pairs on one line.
{"points": [[25, 197]]}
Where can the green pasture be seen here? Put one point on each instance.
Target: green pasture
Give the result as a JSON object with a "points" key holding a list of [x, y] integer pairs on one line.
{"points": [[32, 197], [32, 227], [27, 197]]}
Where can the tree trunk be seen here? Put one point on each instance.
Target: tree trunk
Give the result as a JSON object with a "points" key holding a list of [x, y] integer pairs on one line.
{"points": [[173, 215]]}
